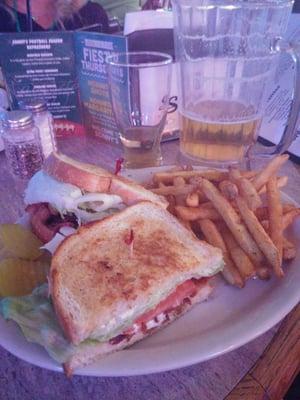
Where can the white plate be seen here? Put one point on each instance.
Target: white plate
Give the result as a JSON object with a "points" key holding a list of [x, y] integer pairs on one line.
{"points": [[229, 319]]}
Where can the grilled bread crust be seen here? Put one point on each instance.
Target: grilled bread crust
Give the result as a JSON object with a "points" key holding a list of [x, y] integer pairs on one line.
{"points": [[92, 178], [101, 279], [85, 176], [93, 352]]}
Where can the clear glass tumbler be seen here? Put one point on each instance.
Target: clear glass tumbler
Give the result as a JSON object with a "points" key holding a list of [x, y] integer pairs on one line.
{"points": [[139, 88], [228, 52]]}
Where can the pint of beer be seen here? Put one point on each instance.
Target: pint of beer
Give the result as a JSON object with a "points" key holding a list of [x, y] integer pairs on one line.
{"points": [[218, 131], [228, 52]]}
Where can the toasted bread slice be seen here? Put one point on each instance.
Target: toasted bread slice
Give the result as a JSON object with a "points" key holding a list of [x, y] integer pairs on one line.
{"points": [[101, 280], [86, 176], [93, 351], [92, 178]]}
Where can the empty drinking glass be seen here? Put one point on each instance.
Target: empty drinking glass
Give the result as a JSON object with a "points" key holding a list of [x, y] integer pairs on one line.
{"points": [[139, 88]]}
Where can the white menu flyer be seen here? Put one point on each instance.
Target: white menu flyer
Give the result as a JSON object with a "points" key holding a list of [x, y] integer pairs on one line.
{"points": [[279, 101]]}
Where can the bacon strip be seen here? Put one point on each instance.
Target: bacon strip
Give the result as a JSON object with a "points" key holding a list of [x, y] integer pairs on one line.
{"points": [[45, 223]]}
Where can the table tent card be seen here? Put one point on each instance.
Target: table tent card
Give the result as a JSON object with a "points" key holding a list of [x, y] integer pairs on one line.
{"points": [[68, 70]]}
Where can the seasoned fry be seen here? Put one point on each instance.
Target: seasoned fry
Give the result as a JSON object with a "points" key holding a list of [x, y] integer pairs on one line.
{"points": [[289, 217], [172, 203], [263, 272], [174, 190], [207, 204], [265, 225], [262, 212], [213, 236], [248, 174], [249, 193], [260, 236], [178, 181], [271, 169], [194, 213], [180, 198], [281, 182], [234, 174], [240, 258], [275, 215], [192, 199], [228, 189], [168, 177], [233, 222], [186, 224], [289, 250], [246, 189]]}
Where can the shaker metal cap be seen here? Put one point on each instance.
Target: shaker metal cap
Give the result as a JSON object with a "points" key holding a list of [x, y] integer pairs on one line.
{"points": [[34, 105], [18, 119]]}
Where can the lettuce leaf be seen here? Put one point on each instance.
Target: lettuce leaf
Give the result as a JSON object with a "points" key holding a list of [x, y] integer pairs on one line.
{"points": [[35, 315]]}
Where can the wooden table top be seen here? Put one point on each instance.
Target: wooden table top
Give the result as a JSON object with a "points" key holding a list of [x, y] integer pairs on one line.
{"points": [[266, 375]]}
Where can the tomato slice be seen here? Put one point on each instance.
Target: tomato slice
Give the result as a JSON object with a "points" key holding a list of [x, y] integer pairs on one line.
{"points": [[184, 290]]}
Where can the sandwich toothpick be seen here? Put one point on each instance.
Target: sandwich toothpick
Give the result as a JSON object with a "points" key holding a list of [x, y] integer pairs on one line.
{"points": [[129, 241], [118, 166]]}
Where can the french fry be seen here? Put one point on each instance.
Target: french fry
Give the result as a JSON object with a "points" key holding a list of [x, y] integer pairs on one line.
{"points": [[281, 182], [275, 215], [174, 190], [233, 222], [262, 212], [179, 182], [271, 169], [234, 174], [228, 189], [289, 217], [240, 258], [194, 213], [246, 189], [260, 236], [192, 199], [213, 236], [168, 177], [289, 250], [263, 272], [248, 174], [186, 224], [207, 204], [249, 193], [172, 203]]}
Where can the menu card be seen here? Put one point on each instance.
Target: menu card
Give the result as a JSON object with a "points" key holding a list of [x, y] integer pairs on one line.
{"points": [[68, 71]]}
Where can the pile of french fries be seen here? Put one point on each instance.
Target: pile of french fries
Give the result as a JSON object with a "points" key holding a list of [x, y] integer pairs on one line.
{"points": [[240, 212]]}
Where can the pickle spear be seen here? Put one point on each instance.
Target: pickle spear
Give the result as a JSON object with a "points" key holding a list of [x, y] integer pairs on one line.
{"points": [[19, 242], [19, 277]]}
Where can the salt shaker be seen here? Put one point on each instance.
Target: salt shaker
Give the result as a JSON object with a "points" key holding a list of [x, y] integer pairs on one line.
{"points": [[22, 144], [44, 121]]}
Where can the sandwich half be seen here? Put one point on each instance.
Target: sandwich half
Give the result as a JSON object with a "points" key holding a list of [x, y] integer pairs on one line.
{"points": [[70, 193], [114, 282]]}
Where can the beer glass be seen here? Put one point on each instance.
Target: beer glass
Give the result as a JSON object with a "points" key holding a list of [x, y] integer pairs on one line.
{"points": [[139, 87], [228, 52]]}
